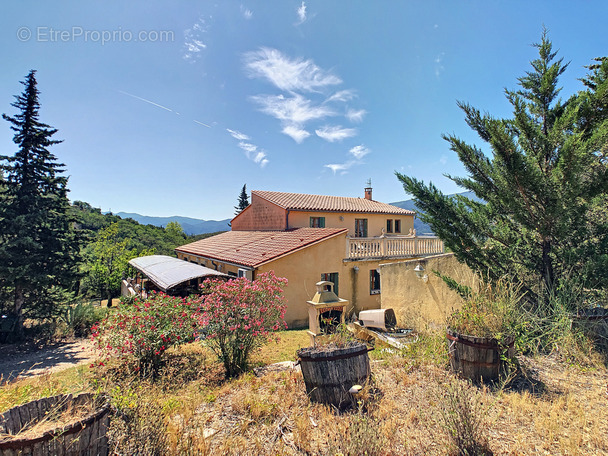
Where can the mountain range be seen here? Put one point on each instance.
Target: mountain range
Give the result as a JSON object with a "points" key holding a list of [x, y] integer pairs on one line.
{"points": [[422, 228], [191, 226], [194, 226]]}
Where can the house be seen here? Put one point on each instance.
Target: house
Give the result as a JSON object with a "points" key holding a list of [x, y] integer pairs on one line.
{"points": [[309, 238]]}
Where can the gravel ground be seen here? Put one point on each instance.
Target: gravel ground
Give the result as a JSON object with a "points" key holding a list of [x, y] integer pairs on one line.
{"points": [[20, 361]]}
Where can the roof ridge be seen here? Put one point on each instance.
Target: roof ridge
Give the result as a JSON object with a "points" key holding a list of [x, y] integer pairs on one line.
{"points": [[330, 203]]}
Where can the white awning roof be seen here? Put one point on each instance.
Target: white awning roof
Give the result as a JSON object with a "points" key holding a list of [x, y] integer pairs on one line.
{"points": [[167, 272]]}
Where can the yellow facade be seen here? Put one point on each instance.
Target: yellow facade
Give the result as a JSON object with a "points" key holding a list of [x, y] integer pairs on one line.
{"points": [[376, 223], [304, 268], [421, 301]]}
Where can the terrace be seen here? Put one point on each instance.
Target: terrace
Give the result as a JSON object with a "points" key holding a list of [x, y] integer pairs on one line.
{"points": [[360, 248]]}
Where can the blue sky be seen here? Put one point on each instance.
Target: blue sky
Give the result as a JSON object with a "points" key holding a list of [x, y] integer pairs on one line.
{"points": [[168, 108]]}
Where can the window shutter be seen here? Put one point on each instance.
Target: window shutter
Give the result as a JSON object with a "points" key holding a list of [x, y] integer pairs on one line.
{"points": [[312, 222], [321, 222], [364, 227]]}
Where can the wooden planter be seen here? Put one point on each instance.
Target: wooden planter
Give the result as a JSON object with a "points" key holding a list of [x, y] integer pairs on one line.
{"points": [[330, 372], [478, 358], [85, 437]]}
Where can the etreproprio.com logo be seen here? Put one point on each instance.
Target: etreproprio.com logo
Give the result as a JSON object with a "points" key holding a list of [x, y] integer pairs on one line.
{"points": [[45, 34]]}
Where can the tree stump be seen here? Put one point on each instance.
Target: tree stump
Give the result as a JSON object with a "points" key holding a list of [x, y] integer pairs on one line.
{"points": [[478, 358], [329, 372]]}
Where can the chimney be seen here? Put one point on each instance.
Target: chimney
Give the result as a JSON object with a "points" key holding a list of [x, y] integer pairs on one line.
{"points": [[368, 190]]}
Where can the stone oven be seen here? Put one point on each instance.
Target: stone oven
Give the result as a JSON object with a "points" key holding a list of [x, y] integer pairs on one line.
{"points": [[325, 310]]}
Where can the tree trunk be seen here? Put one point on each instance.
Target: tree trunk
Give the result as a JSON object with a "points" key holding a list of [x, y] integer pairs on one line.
{"points": [[547, 270], [109, 294], [19, 301]]}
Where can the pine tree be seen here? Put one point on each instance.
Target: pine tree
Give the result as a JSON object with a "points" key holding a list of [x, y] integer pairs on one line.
{"points": [[38, 245], [547, 165], [243, 201]]}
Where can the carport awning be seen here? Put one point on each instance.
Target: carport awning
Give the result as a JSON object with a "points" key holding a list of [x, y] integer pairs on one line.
{"points": [[167, 272]]}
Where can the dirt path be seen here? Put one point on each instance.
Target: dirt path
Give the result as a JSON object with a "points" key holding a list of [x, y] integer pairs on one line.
{"points": [[17, 361]]}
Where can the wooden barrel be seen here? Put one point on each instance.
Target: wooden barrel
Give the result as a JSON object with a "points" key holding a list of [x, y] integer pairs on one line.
{"points": [[85, 437], [329, 372], [478, 358]]}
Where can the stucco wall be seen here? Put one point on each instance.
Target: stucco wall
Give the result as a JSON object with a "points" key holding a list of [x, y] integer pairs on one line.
{"points": [[303, 269], [260, 215], [417, 302], [375, 222]]}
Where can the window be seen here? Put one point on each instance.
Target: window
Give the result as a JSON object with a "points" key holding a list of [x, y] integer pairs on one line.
{"points": [[389, 226], [397, 226], [331, 277], [360, 227], [374, 282], [317, 222]]}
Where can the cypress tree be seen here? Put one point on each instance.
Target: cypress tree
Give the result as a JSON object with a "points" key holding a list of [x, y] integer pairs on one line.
{"points": [[243, 201], [545, 168], [39, 248]]}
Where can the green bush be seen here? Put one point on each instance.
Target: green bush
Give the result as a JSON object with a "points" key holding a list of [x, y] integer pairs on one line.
{"points": [[80, 318]]}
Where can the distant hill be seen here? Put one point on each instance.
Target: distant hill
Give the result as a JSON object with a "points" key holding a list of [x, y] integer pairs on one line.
{"points": [[421, 227], [191, 226]]}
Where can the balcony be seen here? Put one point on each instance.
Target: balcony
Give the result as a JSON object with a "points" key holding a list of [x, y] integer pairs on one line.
{"points": [[388, 247]]}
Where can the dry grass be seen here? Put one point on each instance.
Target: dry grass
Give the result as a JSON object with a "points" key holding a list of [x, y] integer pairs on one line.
{"points": [[557, 409], [59, 416], [71, 380], [283, 350]]}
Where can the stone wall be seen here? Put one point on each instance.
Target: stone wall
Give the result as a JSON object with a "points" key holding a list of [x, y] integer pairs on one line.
{"points": [[418, 302]]}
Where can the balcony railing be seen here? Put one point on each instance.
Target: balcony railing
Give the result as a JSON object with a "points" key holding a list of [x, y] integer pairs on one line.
{"points": [[392, 247]]}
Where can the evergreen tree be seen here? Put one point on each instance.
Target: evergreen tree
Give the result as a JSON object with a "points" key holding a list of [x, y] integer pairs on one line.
{"points": [[38, 245], [243, 201], [547, 166]]}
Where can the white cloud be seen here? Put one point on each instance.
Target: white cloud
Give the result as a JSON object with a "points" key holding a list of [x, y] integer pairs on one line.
{"points": [[193, 40], [335, 133], [342, 95], [252, 152], [295, 110], [287, 74], [443, 159], [335, 167], [296, 133], [301, 13], [439, 64], [304, 98], [259, 157], [356, 115], [247, 13], [238, 135], [247, 147], [359, 151]]}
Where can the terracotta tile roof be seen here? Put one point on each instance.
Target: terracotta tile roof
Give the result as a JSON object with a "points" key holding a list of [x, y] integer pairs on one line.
{"points": [[304, 202], [253, 248]]}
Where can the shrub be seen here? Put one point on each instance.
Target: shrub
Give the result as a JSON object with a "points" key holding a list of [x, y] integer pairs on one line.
{"points": [[239, 316], [142, 332], [491, 312], [463, 417], [139, 425], [81, 317]]}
